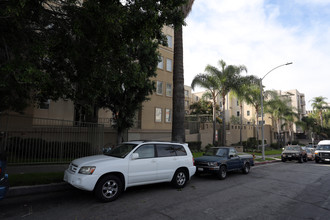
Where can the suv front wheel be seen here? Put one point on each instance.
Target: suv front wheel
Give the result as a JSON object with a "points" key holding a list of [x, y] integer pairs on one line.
{"points": [[108, 188]]}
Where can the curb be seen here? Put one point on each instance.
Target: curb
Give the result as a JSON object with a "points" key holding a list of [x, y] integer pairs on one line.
{"points": [[37, 189]]}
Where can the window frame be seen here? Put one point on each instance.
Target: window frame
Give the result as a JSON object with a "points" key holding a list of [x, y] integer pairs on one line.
{"points": [[171, 91], [159, 83], [168, 60], [158, 119], [166, 115], [161, 62]]}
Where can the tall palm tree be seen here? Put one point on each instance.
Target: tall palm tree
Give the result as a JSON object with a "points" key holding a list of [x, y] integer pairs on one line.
{"points": [[211, 84], [319, 105], [253, 98], [178, 131]]}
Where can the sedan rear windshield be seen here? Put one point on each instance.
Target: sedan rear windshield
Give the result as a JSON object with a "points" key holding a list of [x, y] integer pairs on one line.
{"points": [[221, 152], [323, 147], [121, 151], [293, 148]]}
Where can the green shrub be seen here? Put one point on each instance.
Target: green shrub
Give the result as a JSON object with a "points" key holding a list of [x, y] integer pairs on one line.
{"points": [[195, 146]]}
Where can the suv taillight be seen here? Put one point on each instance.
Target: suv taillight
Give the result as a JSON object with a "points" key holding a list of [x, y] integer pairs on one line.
{"points": [[193, 161]]}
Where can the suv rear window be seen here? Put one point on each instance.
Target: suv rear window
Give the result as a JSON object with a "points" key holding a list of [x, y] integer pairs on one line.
{"points": [[169, 150]]}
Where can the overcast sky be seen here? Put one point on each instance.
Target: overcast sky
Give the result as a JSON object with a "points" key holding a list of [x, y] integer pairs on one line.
{"points": [[262, 34]]}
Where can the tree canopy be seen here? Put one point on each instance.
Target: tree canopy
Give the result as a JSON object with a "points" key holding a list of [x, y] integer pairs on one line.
{"points": [[99, 53]]}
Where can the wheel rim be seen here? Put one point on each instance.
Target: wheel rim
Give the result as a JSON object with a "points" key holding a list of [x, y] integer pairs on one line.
{"points": [[181, 178], [247, 168], [109, 189], [223, 172]]}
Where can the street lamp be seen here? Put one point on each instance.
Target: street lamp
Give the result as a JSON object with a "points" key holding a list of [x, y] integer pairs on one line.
{"points": [[262, 109]]}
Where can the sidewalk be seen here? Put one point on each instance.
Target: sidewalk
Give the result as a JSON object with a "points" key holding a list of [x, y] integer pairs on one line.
{"points": [[55, 187]]}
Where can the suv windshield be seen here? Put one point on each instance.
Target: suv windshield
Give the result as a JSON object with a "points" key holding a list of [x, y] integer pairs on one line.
{"points": [[323, 147], [221, 152], [297, 148], [121, 150]]}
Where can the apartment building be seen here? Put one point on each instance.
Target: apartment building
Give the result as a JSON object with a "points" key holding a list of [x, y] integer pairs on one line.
{"points": [[153, 121]]}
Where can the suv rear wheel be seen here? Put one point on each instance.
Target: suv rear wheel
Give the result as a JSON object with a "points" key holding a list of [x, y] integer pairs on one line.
{"points": [[180, 179]]}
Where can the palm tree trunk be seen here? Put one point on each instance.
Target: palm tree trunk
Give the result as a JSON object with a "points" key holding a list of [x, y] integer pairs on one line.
{"points": [[178, 131], [257, 128], [214, 123], [240, 130], [224, 120]]}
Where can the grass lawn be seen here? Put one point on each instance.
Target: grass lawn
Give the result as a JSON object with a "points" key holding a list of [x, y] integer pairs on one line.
{"points": [[268, 152], [266, 159]]}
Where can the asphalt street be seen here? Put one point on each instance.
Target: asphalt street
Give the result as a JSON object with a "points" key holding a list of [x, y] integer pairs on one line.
{"points": [[272, 191]]}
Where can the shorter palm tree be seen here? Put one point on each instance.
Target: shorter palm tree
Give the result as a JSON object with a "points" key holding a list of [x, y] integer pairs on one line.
{"points": [[319, 105], [211, 84]]}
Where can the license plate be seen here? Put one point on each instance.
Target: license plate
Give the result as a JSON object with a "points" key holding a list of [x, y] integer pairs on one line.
{"points": [[200, 169], [289, 156]]}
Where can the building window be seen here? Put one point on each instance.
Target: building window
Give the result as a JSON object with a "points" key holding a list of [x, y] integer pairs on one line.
{"points": [[169, 65], [44, 105], [169, 41], [159, 88], [161, 63], [237, 113], [196, 99], [237, 103], [248, 113], [168, 89], [168, 115], [158, 115], [186, 93], [186, 103]]}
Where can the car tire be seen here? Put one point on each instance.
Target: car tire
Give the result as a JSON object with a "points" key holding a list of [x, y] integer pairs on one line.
{"points": [[108, 188], [317, 160], [222, 174], [180, 179], [246, 168], [305, 159], [301, 159], [283, 160]]}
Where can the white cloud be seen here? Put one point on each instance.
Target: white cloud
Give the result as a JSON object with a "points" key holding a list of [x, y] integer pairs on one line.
{"points": [[253, 34]]}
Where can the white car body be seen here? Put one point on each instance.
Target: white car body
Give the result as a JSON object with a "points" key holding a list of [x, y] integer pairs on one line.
{"points": [[132, 170]]}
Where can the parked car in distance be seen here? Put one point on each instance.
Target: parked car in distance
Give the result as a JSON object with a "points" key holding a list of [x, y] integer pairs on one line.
{"points": [[322, 151], [220, 160], [4, 185], [294, 152], [310, 153], [131, 164]]}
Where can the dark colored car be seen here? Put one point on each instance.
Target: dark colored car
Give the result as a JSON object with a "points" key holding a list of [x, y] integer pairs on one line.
{"points": [[294, 152], [4, 185], [220, 160]]}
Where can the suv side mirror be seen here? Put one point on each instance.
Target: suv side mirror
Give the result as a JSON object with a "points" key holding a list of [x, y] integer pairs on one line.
{"points": [[135, 156]]}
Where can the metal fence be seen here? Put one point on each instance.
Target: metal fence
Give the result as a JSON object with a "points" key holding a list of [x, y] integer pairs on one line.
{"points": [[27, 140]]}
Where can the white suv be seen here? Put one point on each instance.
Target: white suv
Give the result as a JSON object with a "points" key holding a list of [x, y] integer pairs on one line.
{"points": [[131, 164]]}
